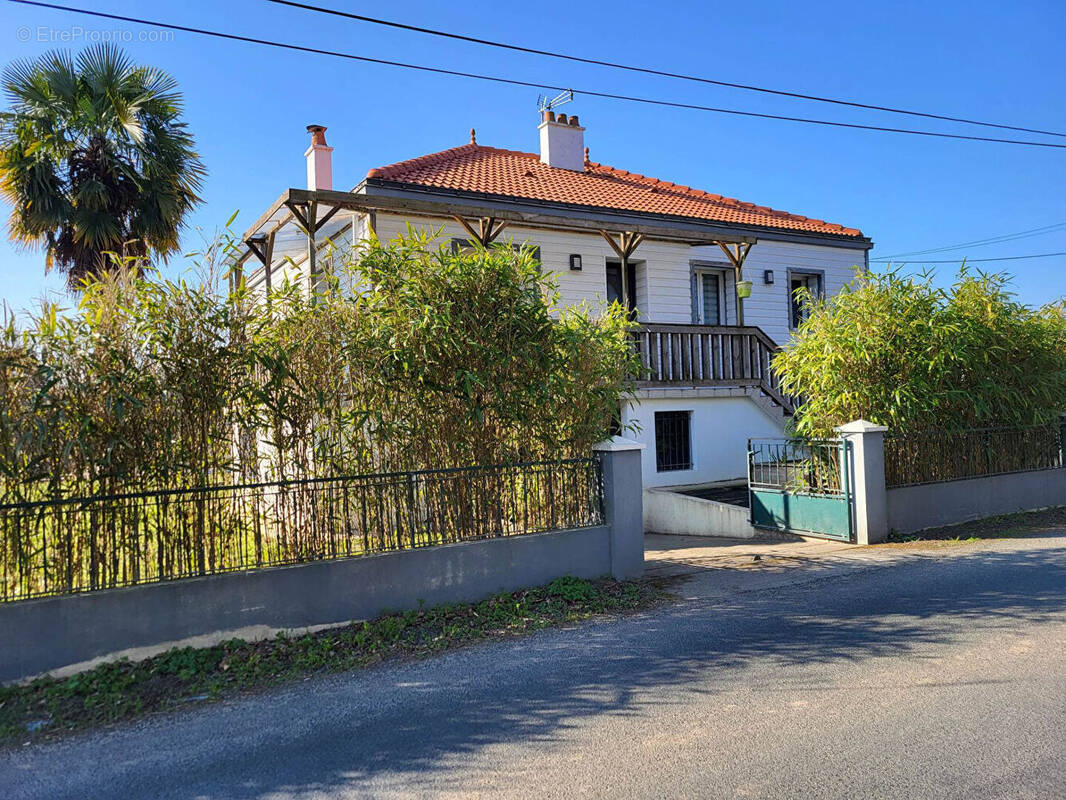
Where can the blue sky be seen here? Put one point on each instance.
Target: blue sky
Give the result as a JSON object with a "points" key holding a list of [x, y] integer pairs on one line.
{"points": [[248, 105]]}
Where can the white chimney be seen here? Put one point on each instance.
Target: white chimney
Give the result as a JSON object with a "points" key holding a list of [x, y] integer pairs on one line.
{"points": [[562, 141], [319, 160]]}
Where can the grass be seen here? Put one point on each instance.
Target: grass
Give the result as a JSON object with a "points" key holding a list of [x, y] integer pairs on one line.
{"points": [[1005, 526], [124, 690]]}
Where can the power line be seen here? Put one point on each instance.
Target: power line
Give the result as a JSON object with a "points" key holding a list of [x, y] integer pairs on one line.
{"points": [[650, 71], [976, 260], [1006, 237], [528, 84]]}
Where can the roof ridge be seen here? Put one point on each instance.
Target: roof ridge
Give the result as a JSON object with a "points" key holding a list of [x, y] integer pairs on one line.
{"points": [[441, 155]]}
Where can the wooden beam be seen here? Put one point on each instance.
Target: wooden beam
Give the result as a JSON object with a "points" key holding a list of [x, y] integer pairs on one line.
{"points": [[462, 221], [298, 211], [737, 253], [269, 265], [500, 226], [690, 231], [488, 228], [312, 252], [614, 245], [257, 246], [327, 218], [628, 242], [631, 241], [267, 215]]}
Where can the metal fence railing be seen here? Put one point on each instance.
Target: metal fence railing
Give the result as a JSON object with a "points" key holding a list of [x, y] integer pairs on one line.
{"points": [[81, 544], [937, 456], [798, 465]]}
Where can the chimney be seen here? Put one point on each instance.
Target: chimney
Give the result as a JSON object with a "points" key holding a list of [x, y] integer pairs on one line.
{"points": [[319, 160], [562, 141]]}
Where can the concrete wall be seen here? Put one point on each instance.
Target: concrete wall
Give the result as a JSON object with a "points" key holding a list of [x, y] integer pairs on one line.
{"points": [[913, 508], [721, 423], [72, 632], [879, 510], [61, 631], [669, 512]]}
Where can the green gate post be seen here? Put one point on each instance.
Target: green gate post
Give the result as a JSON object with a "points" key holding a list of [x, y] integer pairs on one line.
{"points": [[867, 455]]}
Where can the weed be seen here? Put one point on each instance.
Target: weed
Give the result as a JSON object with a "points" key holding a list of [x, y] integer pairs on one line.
{"points": [[123, 689]]}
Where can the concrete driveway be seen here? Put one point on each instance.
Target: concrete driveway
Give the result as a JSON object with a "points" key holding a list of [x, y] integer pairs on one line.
{"points": [[679, 555]]}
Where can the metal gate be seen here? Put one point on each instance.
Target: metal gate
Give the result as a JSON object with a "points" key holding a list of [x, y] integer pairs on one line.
{"points": [[801, 486]]}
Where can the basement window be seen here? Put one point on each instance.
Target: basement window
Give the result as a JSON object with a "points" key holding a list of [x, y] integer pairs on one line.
{"points": [[673, 440]]}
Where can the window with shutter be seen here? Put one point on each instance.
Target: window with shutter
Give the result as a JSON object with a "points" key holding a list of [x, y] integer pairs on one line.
{"points": [[710, 299]]}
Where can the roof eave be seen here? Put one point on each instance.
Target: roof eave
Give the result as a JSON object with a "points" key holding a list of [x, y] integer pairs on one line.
{"points": [[612, 216]]}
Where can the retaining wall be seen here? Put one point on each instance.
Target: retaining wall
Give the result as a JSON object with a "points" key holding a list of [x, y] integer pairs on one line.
{"points": [[931, 505], [667, 511], [67, 633]]}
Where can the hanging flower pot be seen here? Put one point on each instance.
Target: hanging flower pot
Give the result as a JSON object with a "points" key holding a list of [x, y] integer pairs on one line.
{"points": [[744, 289]]}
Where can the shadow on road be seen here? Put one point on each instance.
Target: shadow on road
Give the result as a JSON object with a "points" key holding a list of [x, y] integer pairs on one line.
{"points": [[394, 722]]}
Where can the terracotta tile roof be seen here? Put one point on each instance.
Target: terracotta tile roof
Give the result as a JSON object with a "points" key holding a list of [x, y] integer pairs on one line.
{"points": [[510, 173]]}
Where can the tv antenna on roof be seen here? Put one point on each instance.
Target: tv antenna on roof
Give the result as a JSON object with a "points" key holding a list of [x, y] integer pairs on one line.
{"points": [[544, 104]]}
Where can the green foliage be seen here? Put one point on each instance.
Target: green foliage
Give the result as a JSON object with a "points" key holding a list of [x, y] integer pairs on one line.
{"points": [[901, 352], [572, 589], [94, 158], [411, 357], [122, 690]]}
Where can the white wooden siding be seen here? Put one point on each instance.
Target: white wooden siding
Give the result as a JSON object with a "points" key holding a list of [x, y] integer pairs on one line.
{"points": [[663, 270], [768, 306]]}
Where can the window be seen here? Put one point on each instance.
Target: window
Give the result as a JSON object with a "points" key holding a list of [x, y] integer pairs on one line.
{"points": [[614, 284], [466, 246], [812, 282], [673, 440], [709, 298]]}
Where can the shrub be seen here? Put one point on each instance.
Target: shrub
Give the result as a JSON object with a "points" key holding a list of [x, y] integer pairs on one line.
{"points": [[433, 359], [901, 352]]}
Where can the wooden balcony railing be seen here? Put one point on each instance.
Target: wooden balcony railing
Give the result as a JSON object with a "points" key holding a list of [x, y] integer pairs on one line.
{"points": [[708, 355]]}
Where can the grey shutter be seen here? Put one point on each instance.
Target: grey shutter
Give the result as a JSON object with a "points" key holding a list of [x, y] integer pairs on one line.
{"points": [[712, 299], [694, 287]]}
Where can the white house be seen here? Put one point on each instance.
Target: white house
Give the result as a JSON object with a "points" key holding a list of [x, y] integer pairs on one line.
{"points": [[673, 253]]}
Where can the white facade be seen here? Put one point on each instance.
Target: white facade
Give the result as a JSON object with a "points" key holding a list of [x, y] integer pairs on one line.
{"points": [[664, 270], [721, 420]]}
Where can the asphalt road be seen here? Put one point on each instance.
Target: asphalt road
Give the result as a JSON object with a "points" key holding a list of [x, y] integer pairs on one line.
{"points": [[939, 676]]}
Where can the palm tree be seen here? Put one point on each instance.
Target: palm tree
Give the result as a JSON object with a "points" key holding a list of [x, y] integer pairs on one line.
{"points": [[95, 159]]}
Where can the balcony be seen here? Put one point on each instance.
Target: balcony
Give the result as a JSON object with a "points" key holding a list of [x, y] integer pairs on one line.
{"points": [[708, 355]]}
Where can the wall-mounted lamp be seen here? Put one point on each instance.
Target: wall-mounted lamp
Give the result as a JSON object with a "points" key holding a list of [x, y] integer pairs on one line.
{"points": [[575, 262], [768, 277]]}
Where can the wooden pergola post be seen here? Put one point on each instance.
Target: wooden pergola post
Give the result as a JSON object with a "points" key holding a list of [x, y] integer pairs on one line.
{"points": [[487, 230], [262, 247], [736, 253], [628, 242], [306, 216]]}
